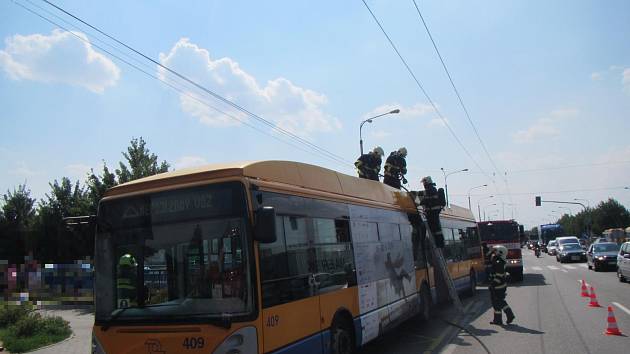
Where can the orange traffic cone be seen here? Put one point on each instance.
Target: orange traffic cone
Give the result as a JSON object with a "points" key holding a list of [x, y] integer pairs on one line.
{"points": [[593, 302], [612, 329], [584, 289]]}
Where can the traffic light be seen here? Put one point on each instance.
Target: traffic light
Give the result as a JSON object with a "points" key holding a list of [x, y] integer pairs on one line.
{"points": [[538, 201]]}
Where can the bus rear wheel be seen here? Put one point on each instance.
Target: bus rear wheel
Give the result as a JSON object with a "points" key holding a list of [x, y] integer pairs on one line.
{"points": [[341, 337]]}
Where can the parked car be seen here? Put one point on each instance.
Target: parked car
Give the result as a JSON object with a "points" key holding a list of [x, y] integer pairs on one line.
{"points": [[570, 252], [602, 255], [623, 262], [552, 247]]}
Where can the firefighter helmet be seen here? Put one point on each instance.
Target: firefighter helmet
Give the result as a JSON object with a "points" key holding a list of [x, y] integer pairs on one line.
{"points": [[427, 180], [402, 151], [127, 260], [379, 151], [500, 251]]}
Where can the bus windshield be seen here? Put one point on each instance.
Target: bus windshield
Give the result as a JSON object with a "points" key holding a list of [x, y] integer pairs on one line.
{"points": [[499, 231], [174, 255]]}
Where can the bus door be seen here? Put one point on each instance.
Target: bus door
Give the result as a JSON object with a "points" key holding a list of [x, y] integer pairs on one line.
{"points": [[290, 301]]}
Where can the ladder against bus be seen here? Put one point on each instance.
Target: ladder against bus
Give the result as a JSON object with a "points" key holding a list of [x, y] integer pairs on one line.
{"points": [[438, 256]]}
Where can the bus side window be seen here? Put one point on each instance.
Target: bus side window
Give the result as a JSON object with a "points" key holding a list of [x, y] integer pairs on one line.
{"points": [[418, 234], [333, 253]]}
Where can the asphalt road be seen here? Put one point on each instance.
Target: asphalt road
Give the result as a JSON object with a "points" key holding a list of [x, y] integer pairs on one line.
{"points": [[552, 317]]}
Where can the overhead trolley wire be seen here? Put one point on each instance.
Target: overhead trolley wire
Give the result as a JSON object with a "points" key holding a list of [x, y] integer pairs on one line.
{"points": [[459, 97], [426, 95], [172, 85], [320, 150], [424, 92]]}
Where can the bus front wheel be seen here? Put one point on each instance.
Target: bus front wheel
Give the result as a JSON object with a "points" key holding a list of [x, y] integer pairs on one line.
{"points": [[342, 338]]}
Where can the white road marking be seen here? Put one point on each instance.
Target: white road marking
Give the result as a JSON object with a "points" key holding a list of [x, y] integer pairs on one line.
{"points": [[568, 266], [553, 267], [623, 308], [536, 268], [564, 270], [583, 265]]}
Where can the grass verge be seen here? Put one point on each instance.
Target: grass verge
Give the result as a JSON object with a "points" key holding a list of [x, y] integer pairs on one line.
{"points": [[23, 330]]}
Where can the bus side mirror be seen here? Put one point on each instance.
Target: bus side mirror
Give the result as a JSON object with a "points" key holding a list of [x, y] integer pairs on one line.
{"points": [[265, 226]]}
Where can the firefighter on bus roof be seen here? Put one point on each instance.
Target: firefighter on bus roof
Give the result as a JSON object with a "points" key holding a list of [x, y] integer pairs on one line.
{"points": [[369, 165], [396, 168], [498, 286], [433, 206]]}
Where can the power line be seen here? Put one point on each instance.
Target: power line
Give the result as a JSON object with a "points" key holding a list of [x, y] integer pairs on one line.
{"points": [[551, 192], [264, 121], [424, 92], [426, 95], [459, 97], [169, 84]]}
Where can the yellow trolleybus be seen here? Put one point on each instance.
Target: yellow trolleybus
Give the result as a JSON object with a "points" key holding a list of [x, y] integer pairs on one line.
{"points": [[265, 257]]}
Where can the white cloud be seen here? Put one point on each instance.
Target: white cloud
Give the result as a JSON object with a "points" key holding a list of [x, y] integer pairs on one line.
{"points": [[437, 123], [626, 80], [411, 112], [380, 134], [22, 170], [596, 76], [293, 108], [190, 161], [58, 58], [545, 127]]}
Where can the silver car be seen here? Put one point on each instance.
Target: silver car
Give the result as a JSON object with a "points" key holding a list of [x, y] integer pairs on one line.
{"points": [[623, 262], [552, 248]]}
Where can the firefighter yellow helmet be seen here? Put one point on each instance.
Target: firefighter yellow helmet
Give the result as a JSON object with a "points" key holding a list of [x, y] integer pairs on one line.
{"points": [[379, 151], [500, 251], [402, 151], [127, 260]]}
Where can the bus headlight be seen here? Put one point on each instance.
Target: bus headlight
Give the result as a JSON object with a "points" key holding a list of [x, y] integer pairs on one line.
{"points": [[97, 348], [242, 341]]}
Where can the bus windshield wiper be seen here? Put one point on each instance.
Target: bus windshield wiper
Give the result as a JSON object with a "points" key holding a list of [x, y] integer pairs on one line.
{"points": [[225, 321], [113, 318]]}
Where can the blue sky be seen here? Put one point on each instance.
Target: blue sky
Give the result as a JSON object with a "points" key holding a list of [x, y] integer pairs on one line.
{"points": [[543, 81]]}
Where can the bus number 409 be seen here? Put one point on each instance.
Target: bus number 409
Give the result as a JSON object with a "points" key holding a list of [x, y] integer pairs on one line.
{"points": [[193, 343]]}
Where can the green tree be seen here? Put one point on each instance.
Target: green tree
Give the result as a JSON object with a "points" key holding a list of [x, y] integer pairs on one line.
{"points": [[55, 242], [141, 161], [610, 214], [18, 215], [19, 207], [98, 185]]}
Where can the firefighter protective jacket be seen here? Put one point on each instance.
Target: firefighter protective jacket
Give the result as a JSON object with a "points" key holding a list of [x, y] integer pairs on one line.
{"points": [[498, 276], [368, 166]]}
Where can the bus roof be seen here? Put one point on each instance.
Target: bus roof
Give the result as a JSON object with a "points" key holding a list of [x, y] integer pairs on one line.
{"points": [[497, 222], [286, 173]]}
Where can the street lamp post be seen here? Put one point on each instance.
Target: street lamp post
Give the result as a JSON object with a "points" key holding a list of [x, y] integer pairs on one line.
{"points": [[445, 184], [484, 210], [470, 190], [479, 208], [369, 120], [565, 208]]}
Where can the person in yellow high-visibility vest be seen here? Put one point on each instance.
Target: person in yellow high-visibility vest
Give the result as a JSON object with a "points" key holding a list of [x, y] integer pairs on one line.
{"points": [[126, 281]]}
